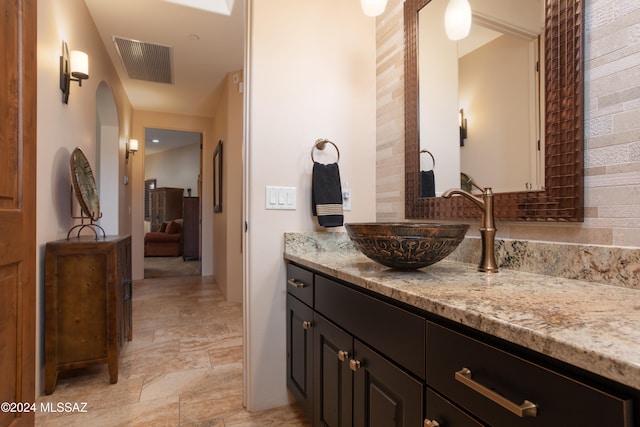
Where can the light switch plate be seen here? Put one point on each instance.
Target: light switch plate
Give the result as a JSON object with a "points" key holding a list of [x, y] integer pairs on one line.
{"points": [[280, 198]]}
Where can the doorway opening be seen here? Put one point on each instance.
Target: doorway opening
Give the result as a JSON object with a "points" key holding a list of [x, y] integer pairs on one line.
{"points": [[173, 204]]}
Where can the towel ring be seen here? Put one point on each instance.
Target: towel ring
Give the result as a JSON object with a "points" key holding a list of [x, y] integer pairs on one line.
{"points": [[320, 144], [432, 158]]}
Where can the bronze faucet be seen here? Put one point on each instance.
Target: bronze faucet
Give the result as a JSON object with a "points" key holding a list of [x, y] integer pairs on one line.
{"points": [[487, 229]]}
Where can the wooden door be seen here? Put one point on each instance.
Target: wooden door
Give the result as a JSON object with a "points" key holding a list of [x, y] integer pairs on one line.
{"points": [[17, 207]]}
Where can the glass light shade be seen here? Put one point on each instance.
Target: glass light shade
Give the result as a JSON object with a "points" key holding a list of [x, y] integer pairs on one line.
{"points": [[457, 19], [373, 7], [79, 64], [133, 145]]}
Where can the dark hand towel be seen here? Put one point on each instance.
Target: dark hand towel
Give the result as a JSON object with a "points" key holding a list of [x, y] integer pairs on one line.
{"points": [[427, 184], [326, 195]]}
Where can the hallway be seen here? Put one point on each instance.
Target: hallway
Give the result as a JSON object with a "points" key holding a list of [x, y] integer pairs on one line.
{"points": [[183, 367]]}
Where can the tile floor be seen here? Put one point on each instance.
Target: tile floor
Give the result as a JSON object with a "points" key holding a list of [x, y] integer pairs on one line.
{"points": [[183, 367]]}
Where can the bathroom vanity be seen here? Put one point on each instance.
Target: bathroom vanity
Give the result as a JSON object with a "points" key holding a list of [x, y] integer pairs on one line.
{"points": [[450, 346]]}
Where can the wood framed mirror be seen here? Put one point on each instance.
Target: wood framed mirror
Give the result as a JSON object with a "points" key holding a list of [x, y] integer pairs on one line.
{"points": [[562, 197]]}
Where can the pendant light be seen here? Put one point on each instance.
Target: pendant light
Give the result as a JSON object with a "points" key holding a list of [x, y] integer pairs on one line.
{"points": [[373, 7], [457, 19]]}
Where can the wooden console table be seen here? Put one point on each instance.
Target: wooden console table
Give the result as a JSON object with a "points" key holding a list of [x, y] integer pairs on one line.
{"points": [[87, 304]]}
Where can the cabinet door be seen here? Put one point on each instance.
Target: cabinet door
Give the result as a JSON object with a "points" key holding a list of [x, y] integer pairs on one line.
{"points": [[333, 383], [300, 353], [442, 413], [383, 394]]}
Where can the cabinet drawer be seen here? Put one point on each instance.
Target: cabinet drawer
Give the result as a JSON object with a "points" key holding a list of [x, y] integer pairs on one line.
{"points": [[442, 413], [300, 283], [495, 381], [397, 333]]}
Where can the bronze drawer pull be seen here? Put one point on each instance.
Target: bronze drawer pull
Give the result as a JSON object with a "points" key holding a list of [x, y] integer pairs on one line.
{"points": [[527, 409], [306, 325], [343, 355], [296, 283]]}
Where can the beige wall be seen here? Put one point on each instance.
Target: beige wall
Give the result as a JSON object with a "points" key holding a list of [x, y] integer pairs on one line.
{"points": [[62, 127], [612, 155], [498, 107], [310, 74], [150, 119], [227, 225], [178, 168]]}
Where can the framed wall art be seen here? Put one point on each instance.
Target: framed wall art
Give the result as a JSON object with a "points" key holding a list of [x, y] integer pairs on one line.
{"points": [[217, 178]]}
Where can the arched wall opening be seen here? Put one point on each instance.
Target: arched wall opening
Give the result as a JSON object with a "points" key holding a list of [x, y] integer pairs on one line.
{"points": [[107, 159]]}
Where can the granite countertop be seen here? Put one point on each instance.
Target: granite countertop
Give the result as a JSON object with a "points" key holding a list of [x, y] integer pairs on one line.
{"points": [[592, 326]]}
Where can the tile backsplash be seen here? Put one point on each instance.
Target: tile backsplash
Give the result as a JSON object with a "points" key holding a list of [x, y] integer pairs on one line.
{"points": [[603, 264]]}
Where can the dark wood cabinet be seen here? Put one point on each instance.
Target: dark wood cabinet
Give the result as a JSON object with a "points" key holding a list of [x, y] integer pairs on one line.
{"points": [[191, 227], [379, 362], [333, 383], [392, 331], [300, 353], [500, 388], [353, 383], [383, 393], [300, 325], [442, 413], [165, 205], [87, 304]]}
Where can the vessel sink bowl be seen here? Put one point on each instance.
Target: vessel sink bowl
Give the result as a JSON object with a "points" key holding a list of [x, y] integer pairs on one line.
{"points": [[406, 246]]}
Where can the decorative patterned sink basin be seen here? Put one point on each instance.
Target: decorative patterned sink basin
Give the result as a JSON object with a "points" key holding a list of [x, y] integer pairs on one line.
{"points": [[408, 245]]}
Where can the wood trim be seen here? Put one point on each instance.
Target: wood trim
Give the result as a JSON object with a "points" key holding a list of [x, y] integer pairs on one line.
{"points": [[18, 43]]}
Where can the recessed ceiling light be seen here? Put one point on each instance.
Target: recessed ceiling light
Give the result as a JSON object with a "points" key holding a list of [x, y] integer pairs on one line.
{"points": [[155, 141]]}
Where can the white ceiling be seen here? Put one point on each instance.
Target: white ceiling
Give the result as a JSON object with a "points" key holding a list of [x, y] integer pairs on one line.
{"points": [[205, 47], [158, 140]]}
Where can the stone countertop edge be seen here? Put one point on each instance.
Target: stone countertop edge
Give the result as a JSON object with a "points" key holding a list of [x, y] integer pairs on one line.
{"points": [[593, 326]]}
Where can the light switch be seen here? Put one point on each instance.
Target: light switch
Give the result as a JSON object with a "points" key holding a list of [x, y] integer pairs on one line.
{"points": [[283, 198]]}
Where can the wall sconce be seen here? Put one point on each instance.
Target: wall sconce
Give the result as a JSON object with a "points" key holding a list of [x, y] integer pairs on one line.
{"points": [[457, 19], [373, 7], [462, 122], [132, 147], [76, 69]]}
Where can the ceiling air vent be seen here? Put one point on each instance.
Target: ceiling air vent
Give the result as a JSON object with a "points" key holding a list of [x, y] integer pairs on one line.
{"points": [[145, 61]]}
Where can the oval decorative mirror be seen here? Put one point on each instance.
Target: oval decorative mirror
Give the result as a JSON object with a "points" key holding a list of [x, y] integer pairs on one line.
{"points": [[84, 188], [553, 191]]}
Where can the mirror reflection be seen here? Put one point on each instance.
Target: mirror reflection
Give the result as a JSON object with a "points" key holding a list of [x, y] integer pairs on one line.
{"points": [[480, 107]]}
